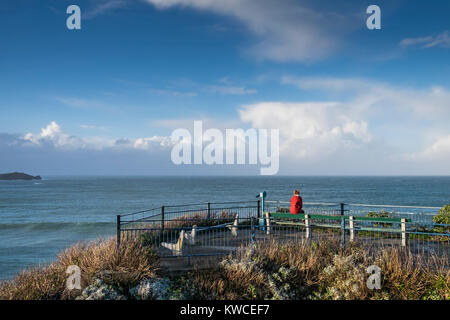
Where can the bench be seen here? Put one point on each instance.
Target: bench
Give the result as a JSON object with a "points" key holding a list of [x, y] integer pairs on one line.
{"points": [[294, 220], [177, 247], [234, 227], [190, 237]]}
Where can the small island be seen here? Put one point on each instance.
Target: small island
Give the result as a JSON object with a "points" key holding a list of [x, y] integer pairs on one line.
{"points": [[18, 176]]}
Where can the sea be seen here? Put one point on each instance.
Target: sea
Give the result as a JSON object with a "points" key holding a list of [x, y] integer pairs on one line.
{"points": [[40, 218]]}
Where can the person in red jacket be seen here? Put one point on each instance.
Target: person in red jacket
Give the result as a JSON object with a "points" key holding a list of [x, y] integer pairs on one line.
{"points": [[296, 203]]}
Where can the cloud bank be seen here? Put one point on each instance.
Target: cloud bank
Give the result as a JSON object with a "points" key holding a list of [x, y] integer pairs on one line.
{"points": [[368, 128]]}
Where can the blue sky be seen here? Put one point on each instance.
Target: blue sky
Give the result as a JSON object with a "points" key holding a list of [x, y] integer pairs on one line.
{"points": [[347, 100]]}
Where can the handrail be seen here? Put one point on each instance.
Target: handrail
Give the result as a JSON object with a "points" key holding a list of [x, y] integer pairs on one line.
{"points": [[307, 203], [283, 202], [358, 204], [188, 205], [337, 217], [204, 203], [390, 206], [138, 212], [205, 209]]}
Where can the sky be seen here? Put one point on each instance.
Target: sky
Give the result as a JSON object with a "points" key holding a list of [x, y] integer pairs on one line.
{"points": [[104, 100]]}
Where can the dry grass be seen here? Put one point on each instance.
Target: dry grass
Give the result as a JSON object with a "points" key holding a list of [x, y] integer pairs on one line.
{"points": [[408, 276], [124, 267], [323, 270], [309, 270]]}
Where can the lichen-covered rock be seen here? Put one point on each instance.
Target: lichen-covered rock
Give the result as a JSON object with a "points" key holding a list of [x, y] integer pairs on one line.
{"points": [[279, 284], [245, 265], [99, 290], [152, 289], [344, 279]]}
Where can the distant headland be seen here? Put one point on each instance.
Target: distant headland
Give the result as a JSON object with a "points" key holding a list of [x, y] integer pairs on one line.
{"points": [[18, 176]]}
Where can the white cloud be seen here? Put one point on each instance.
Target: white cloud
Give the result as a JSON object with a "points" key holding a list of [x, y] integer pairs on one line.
{"points": [[92, 127], [286, 30], [173, 93], [148, 143], [372, 98], [188, 123], [103, 7], [330, 84], [308, 130], [440, 40], [53, 135], [223, 86], [438, 150], [230, 90], [80, 103], [397, 122]]}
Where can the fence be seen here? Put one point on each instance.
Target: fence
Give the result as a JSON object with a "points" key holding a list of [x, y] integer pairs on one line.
{"points": [[221, 228]]}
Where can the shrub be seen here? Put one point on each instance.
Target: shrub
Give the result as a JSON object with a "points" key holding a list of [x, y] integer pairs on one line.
{"points": [[320, 270], [443, 217], [124, 268], [381, 214]]}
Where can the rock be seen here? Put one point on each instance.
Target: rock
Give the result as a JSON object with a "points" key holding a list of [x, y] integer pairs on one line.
{"points": [[18, 176], [279, 285], [152, 289], [99, 290]]}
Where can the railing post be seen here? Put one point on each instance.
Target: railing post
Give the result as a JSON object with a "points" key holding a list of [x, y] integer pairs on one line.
{"points": [[162, 218], [208, 215], [403, 226], [352, 228], [343, 225], [263, 195], [267, 214], [118, 231], [307, 226], [258, 206], [252, 235]]}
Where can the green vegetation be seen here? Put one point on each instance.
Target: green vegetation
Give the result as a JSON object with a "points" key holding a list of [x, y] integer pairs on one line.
{"points": [[381, 214], [443, 217]]}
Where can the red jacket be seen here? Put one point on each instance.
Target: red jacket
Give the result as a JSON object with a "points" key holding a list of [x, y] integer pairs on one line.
{"points": [[296, 204]]}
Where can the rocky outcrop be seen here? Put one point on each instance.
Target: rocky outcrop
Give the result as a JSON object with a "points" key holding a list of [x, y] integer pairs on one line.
{"points": [[99, 290], [18, 176], [152, 289]]}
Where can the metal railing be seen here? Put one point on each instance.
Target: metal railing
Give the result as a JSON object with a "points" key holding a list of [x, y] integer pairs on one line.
{"points": [[132, 224], [419, 214], [221, 228]]}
